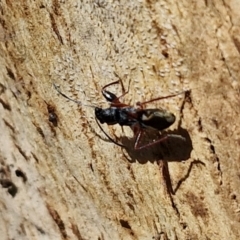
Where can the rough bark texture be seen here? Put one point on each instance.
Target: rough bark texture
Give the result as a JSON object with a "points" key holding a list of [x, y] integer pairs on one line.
{"points": [[60, 177]]}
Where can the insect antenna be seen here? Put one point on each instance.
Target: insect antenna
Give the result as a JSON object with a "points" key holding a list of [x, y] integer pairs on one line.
{"points": [[76, 101], [80, 103]]}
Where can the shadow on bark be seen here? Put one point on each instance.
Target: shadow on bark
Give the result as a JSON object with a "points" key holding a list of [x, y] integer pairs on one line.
{"points": [[172, 149]]}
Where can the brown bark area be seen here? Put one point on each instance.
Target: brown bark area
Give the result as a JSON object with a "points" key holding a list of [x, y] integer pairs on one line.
{"points": [[60, 178]]}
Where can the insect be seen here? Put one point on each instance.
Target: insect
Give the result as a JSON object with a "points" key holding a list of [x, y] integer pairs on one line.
{"points": [[138, 118]]}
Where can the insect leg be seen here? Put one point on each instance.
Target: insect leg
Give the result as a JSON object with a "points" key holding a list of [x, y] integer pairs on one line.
{"points": [[160, 98], [138, 132], [111, 139], [111, 97], [137, 147]]}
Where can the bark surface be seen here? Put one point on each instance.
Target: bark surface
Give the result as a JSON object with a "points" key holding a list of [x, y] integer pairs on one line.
{"points": [[61, 178]]}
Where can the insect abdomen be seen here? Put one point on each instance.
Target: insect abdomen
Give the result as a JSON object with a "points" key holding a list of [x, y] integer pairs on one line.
{"points": [[159, 119]]}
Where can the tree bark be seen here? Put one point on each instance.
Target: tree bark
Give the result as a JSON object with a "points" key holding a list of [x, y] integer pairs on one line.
{"points": [[61, 178]]}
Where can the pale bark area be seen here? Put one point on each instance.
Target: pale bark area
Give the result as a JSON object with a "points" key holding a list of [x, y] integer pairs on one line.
{"points": [[64, 180]]}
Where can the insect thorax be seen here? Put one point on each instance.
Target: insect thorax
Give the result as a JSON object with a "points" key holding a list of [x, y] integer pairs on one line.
{"points": [[114, 115]]}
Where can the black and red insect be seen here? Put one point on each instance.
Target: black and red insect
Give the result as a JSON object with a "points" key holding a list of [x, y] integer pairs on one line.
{"points": [[138, 118]]}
